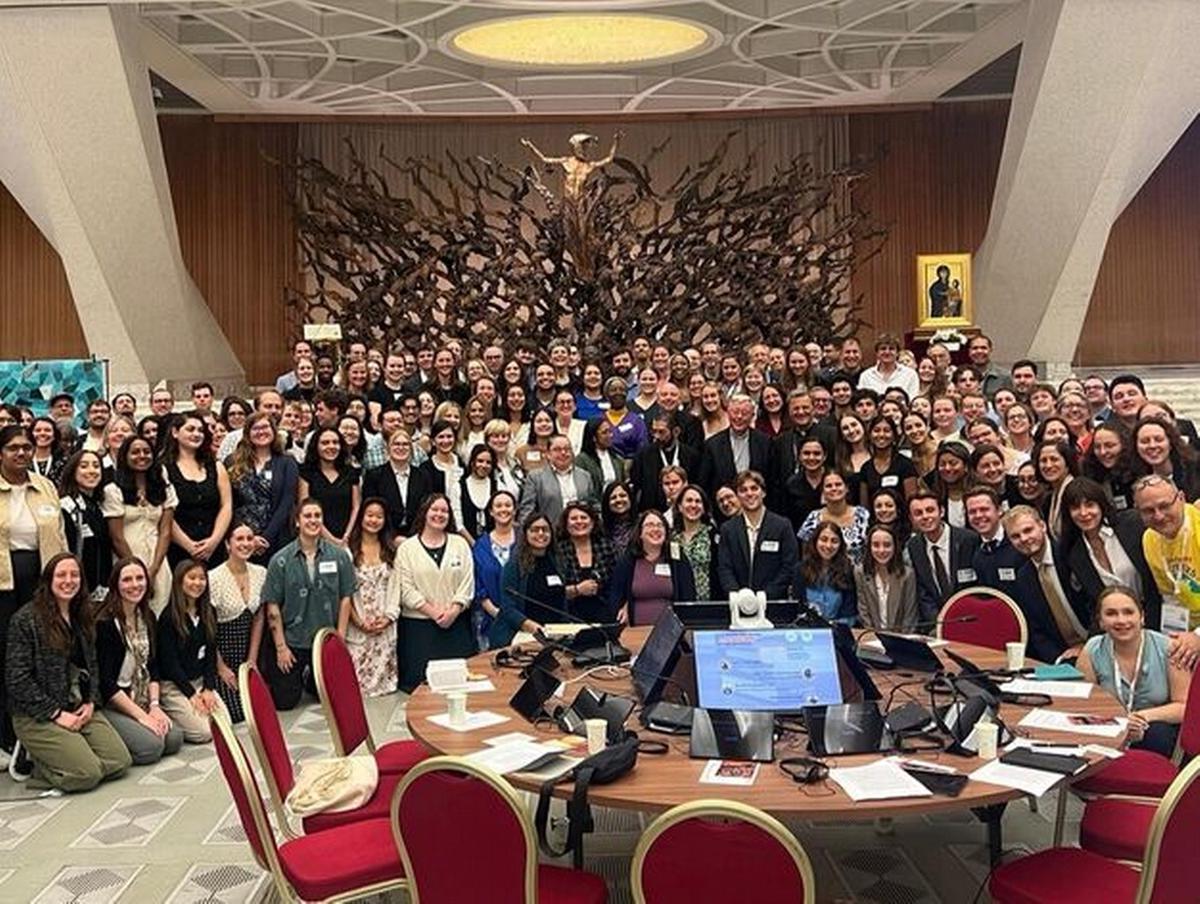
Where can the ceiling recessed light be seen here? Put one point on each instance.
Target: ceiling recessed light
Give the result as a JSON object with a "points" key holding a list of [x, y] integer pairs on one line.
{"points": [[578, 41]]}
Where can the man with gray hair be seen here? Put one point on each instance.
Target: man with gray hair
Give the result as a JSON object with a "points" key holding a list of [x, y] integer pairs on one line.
{"points": [[736, 449], [1172, 547]]}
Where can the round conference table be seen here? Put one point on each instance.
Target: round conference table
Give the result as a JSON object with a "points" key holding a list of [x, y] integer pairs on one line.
{"points": [[660, 782]]}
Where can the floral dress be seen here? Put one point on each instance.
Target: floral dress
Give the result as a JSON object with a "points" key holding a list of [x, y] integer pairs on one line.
{"points": [[854, 533], [374, 655]]}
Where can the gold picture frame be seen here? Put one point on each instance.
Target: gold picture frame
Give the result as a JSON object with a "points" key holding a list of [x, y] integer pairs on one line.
{"points": [[944, 300]]}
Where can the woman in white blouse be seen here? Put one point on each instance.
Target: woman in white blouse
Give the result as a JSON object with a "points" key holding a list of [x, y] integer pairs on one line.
{"points": [[235, 590], [435, 581]]}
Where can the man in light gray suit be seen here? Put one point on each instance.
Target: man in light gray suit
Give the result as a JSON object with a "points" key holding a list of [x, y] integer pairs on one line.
{"points": [[549, 490]]}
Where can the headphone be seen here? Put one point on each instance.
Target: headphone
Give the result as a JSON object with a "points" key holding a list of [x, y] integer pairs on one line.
{"points": [[804, 770]]}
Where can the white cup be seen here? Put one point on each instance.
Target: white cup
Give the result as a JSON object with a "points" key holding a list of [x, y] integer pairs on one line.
{"points": [[597, 734], [456, 707], [987, 738], [1016, 655]]}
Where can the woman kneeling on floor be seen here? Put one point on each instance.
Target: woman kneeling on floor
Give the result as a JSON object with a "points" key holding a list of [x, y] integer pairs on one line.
{"points": [[187, 653], [54, 684], [129, 675]]}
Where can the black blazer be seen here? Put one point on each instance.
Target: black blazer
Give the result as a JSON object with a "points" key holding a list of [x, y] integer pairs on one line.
{"points": [[959, 569], [182, 660], [380, 483], [783, 459], [474, 519], [646, 469], [110, 654], [620, 587], [1128, 528], [716, 462], [285, 477], [774, 571]]}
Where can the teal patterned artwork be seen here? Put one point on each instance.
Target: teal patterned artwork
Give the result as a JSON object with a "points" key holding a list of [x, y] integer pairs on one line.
{"points": [[33, 383]]}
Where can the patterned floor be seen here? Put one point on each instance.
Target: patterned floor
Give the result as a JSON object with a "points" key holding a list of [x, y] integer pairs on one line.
{"points": [[169, 833]]}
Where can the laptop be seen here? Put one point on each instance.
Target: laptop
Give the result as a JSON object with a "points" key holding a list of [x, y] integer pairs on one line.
{"points": [[914, 655], [725, 734], [531, 696], [771, 670], [845, 729]]}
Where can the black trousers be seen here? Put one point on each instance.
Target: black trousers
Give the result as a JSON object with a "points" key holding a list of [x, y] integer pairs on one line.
{"points": [[26, 571], [288, 688]]}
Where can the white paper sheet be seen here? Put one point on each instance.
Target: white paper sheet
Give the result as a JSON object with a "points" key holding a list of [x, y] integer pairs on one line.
{"points": [[1031, 781], [1076, 690], [509, 738], [475, 720], [512, 757], [932, 642], [471, 687], [1044, 747], [1052, 720], [881, 780]]}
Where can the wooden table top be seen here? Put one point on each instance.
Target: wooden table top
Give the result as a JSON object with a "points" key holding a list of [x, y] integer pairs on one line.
{"points": [[661, 782]]}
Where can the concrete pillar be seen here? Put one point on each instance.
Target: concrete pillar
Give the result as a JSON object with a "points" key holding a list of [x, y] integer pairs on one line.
{"points": [[80, 151], [1104, 90]]}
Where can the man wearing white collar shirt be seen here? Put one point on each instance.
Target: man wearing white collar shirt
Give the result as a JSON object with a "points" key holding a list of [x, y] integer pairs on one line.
{"points": [[399, 483], [664, 450], [887, 372], [548, 490], [940, 554], [983, 515], [758, 549], [735, 449]]}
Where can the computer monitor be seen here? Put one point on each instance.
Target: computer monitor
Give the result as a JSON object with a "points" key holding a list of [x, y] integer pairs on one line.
{"points": [[780, 670], [657, 658]]}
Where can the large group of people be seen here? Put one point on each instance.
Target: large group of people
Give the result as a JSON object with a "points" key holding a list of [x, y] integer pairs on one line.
{"points": [[431, 502]]}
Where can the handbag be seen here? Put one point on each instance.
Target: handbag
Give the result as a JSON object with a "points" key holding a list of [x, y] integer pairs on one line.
{"points": [[333, 785], [600, 768]]}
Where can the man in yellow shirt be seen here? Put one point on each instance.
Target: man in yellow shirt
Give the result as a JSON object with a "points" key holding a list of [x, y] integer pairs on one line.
{"points": [[1172, 547]]}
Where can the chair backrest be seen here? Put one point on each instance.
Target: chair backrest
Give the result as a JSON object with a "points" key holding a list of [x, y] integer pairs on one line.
{"points": [[996, 619], [1189, 730], [447, 805], [340, 693], [720, 850], [246, 797], [266, 733], [1169, 867]]}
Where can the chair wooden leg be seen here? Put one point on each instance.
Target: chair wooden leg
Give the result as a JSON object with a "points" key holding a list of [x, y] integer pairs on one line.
{"points": [[1060, 813]]}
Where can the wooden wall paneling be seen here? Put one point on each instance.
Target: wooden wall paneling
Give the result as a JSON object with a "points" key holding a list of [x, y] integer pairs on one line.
{"points": [[37, 312], [236, 230]]}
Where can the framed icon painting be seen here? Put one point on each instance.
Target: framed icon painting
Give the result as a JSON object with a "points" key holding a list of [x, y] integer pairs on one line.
{"points": [[944, 290]]}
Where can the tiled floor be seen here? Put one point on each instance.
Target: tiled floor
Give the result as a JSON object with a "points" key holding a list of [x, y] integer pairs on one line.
{"points": [[169, 833]]}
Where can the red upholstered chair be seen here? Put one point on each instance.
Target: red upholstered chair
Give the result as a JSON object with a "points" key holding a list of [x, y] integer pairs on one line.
{"points": [[719, 851], [342, 702], [446, 806], [276, 760], [341, 864], [1144, 773], [1069, 875], [998, 620]]}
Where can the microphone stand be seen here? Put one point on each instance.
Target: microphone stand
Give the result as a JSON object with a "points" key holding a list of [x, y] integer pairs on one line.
{"points": [[611, 655]]}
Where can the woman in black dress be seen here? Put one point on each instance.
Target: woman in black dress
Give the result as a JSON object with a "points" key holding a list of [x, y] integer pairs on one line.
{"points": [[202, 486], [328, 477], [81, 494]]}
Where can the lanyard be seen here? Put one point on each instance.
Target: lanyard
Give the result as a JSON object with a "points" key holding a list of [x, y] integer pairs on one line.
{"points": [[1119, 679]]}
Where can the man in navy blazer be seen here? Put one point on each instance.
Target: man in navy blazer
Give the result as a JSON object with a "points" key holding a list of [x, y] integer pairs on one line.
{"points": [[771, 567], [740, 448], [940, 554]]}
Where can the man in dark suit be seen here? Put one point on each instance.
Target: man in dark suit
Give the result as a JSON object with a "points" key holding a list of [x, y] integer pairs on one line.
{"points": [[1057, 619], [691, 431], [757, 548], [784, 454], [664, 449], [401, 486], [737, 449], [941, 554]]}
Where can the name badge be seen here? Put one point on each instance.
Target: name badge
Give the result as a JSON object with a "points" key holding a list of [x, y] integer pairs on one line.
{"points": [[533, 455], [604, 406], [266, 473], [327, 567], [889, 480], [966, 574], [1174, 617], [662, 570], [1007, 574], [675, 552], [86, 532], [769, 546], [200, 652], [48, 511], [1120, 503], [553, 580], [625, 428]]}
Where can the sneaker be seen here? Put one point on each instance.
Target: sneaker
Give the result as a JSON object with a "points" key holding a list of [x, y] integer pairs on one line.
{"points": [[20, 766], [5, 759]]}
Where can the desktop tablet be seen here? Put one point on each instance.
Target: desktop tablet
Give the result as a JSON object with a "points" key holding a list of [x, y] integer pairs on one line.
{"points": [[778, 670], [724, 734], [848, 728], [532, 695], [657, 659]]}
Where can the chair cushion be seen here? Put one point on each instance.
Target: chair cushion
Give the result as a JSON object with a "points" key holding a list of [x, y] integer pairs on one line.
{"points": [[397, 757], [1116, 828], [378, 807], [1063, 876], [338, 860], [557, 885], [1139, 773]]}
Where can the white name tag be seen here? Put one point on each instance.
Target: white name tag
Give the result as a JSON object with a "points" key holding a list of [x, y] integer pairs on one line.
{"points": [[86, 532], [1120, 503], [675, 552], [662, 570], [266, 473], [603, 406], [48, 511], [889, 480], [200, 652], [327, 567], [1007, 574], [625, 428], [1174, 617], [966, 574], [769, 546], [553, 580], [533, 455]]}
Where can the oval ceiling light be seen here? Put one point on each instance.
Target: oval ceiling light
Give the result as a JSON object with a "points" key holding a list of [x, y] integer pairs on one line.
{"points": [[574, 40]]}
